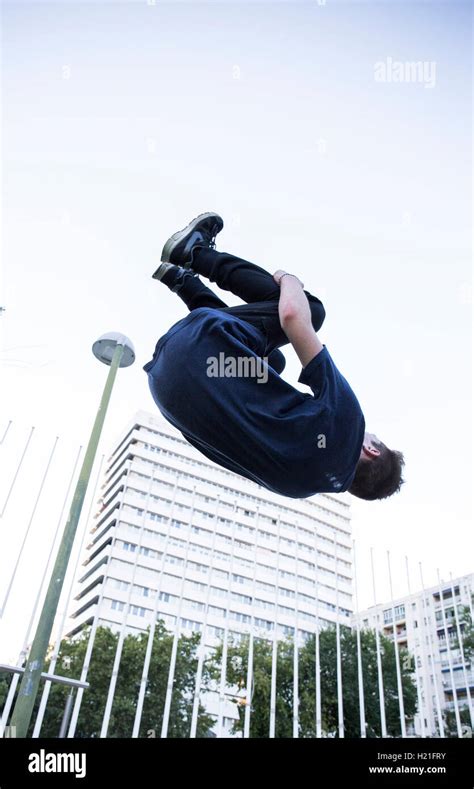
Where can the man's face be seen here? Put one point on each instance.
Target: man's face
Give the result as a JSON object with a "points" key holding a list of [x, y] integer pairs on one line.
{"points": [[371, 447]]}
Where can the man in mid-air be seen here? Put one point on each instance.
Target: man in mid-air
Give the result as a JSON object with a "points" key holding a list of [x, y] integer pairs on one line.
{"points": [[215, 376]]}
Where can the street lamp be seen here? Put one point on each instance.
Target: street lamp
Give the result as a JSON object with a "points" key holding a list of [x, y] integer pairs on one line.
{"points": [[115, 350]]}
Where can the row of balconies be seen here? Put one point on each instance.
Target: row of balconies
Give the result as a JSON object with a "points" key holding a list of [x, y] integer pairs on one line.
{"points": [[95, 577], [147, 435], [136, 518], [459, 684], [201, 596], [118, 487], [141, 621], [205, 543], [138, 452]]}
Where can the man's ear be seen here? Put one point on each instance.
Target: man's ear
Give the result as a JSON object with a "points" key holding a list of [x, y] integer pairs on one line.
{"points": [[371, 452]]}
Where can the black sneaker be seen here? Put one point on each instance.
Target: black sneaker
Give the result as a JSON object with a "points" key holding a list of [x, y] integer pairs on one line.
{"points": [[172, 276], [163, 269], [201, 232]]}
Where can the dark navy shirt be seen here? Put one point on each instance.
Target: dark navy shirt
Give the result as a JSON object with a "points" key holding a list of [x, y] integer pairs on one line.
{"points": [[292, 443]]}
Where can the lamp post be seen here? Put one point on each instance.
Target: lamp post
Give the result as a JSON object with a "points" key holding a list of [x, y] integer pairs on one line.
{"points": [[115, 350]]}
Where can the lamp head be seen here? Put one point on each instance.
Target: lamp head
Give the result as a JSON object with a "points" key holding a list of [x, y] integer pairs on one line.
{"points": [[103, 348]]}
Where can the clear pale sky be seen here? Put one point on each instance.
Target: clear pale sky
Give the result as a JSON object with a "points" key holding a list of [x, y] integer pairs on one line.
{"points": [[122, 121]]}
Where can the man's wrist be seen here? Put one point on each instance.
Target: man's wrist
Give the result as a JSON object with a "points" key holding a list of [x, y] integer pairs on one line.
{"points": [[287, 274]]}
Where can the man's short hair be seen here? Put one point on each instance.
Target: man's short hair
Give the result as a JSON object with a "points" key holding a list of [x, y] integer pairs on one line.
{"points": [[379, 477]]}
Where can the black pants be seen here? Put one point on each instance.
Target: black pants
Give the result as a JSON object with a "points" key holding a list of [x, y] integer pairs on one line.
{"points": [[250, 283]]}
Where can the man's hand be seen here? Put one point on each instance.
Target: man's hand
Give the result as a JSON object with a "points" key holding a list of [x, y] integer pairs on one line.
{"points": [[295, 318]]}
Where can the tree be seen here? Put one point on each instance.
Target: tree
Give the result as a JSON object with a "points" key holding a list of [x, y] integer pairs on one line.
{"points": [[70, 662], [467, 632], [236, 672], [450, 725]]}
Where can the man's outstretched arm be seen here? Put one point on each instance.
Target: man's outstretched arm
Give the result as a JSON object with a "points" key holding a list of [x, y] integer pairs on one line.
{"points": [[295, 317]]}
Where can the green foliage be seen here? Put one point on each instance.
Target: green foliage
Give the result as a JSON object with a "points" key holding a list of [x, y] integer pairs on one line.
{"points": [[72, 655], [450, 725], [260, 700], [70, 662], [467, 629]]}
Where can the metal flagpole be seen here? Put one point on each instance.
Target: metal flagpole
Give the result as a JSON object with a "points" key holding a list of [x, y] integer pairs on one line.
{"points": [[152, 630], [424, 669], [296, 700], [2, 439], [225, 640], [248, 691], [16, 677], [360, 674], [94, 628], [433, 667], [401, 704], [317, 654], [450, 662], [12, 485], [461, 650], [202, 643], [174, 648], [66, 714], [123, 628], [417, 670], [273, 682], [340, 702], [30, 522], [54, 657], [383, 723], [31, 678]]}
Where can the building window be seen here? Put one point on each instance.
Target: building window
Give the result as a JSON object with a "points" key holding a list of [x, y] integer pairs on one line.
{"points": [[287, 592], [123, 585], [215, 611], [239, 617], [189, 624], [217, 632], [242, 597], [128, 546], [176, 560], [194, 604], [263, 623], [166, 597], [138, 610]]}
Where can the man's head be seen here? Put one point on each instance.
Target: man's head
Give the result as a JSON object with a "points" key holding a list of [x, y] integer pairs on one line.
{"points": [[379, 470]]}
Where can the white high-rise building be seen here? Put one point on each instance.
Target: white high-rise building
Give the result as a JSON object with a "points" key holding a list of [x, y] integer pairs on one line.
{"points": [[180, 539], [428, 623]]}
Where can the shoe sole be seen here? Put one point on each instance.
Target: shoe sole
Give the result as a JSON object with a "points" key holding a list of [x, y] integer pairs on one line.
{"points": [[178, 237], [160, 271]]}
